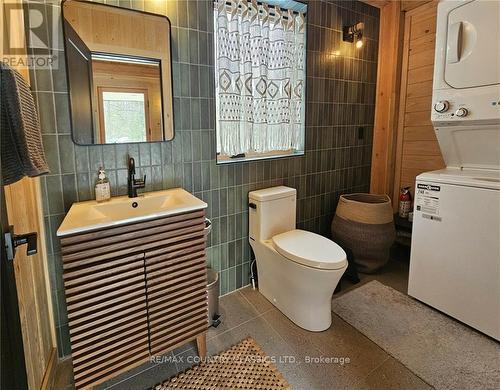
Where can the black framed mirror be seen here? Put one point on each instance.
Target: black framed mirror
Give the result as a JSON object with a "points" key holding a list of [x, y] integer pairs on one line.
{"points": [[118, 64]]}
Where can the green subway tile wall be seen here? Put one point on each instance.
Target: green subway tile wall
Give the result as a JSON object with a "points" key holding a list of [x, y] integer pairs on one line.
{"points": [[340, 101]]}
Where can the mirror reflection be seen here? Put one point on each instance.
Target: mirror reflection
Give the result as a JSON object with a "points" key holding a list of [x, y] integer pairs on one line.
{"points": [[129, 99]]}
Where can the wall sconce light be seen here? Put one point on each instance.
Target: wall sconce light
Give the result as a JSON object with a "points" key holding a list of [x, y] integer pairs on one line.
{"points": [[354, 33]]}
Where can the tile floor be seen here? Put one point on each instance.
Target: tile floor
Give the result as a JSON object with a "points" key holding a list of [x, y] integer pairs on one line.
{"points": [[247, 313]]}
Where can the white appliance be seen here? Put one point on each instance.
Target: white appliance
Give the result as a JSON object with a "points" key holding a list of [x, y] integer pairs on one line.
{"points": [[298, 270], [455, 256]]}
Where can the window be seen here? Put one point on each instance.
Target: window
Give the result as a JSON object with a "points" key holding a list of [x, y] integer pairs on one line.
{"points": [[260, 78], [123, 115]]}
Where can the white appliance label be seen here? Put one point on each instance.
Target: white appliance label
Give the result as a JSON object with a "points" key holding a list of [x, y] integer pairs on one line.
{"points": [[427, 199]]}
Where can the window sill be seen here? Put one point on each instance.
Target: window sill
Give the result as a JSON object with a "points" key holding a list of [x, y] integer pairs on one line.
{"points": [[257, 157]]}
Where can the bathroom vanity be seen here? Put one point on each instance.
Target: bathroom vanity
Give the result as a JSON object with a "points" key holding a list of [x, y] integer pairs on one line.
{"points": [[134, 279]]}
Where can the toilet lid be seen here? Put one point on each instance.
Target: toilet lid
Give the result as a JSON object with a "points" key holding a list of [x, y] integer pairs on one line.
{"points": [[310, 249]]}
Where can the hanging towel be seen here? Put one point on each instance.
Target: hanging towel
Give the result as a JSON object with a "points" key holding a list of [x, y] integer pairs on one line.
{"points": [[21, 139]]}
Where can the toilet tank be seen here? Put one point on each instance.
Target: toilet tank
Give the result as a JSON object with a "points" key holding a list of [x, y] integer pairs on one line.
{"points": [[271, 211]]}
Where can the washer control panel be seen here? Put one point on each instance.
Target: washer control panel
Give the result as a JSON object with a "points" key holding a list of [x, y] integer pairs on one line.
{"points": [[474, 106], [444, 110]]}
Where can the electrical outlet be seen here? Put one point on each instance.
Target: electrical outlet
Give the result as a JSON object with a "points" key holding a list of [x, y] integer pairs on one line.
{"points": [[361, 132]]}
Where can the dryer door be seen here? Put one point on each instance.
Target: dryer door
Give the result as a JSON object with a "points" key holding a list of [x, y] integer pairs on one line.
{"points": [[472, 58]]}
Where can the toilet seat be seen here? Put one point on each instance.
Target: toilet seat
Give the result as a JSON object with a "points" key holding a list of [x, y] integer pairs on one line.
{"points": [[310, 249]]}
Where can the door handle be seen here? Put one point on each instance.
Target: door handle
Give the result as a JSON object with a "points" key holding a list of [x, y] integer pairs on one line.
{"points": [[12, 241], [455, 43]]}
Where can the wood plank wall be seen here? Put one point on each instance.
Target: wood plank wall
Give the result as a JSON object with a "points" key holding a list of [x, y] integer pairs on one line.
{"points": [[386, 104], [415, 82], [417, 147]]}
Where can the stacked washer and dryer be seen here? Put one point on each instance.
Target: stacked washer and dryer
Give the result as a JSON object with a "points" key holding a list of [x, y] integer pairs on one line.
{"points": [[455, 256]]}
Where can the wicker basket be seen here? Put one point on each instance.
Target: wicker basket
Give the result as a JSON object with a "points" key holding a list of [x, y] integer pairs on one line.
{"points": [[364, 224]]}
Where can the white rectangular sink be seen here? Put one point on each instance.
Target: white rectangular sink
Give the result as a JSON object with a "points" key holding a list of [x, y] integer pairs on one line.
{"points": [[90, 215]]}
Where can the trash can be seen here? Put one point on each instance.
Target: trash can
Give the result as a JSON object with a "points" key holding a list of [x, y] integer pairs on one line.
{"points": [[213, 296]]}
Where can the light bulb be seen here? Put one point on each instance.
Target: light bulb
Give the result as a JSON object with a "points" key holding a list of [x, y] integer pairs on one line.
{"points": [[359, 43]]}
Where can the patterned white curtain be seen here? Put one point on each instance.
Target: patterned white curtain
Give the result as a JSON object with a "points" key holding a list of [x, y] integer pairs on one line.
{"points": [[260, 77]]}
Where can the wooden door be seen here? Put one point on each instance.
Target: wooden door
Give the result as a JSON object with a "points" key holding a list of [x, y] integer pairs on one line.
{"points": [[33, 292], [11, 349], [24, 212], [417, 147]]}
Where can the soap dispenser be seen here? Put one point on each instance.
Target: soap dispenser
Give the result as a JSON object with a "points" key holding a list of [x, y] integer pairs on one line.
{"points": [[102, 188]]}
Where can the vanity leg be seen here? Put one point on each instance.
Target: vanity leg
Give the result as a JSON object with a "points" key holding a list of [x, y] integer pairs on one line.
{"points": [[201, 344]]}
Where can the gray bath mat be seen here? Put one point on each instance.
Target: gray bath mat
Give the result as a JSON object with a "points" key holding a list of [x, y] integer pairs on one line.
{"points": [[442, 351]]}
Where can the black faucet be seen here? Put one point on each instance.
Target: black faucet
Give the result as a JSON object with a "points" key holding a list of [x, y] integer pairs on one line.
{"points": [[133, 183]]}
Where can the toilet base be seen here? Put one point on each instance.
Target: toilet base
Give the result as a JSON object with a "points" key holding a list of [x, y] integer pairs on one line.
{"points": [[301, 293], [313, 322]]}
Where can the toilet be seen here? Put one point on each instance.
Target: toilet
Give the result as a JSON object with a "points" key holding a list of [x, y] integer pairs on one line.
{"points": [[297, 270]]}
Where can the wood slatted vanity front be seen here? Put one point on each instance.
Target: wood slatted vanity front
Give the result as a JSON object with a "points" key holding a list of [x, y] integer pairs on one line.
{"points": [[134, 291]]}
